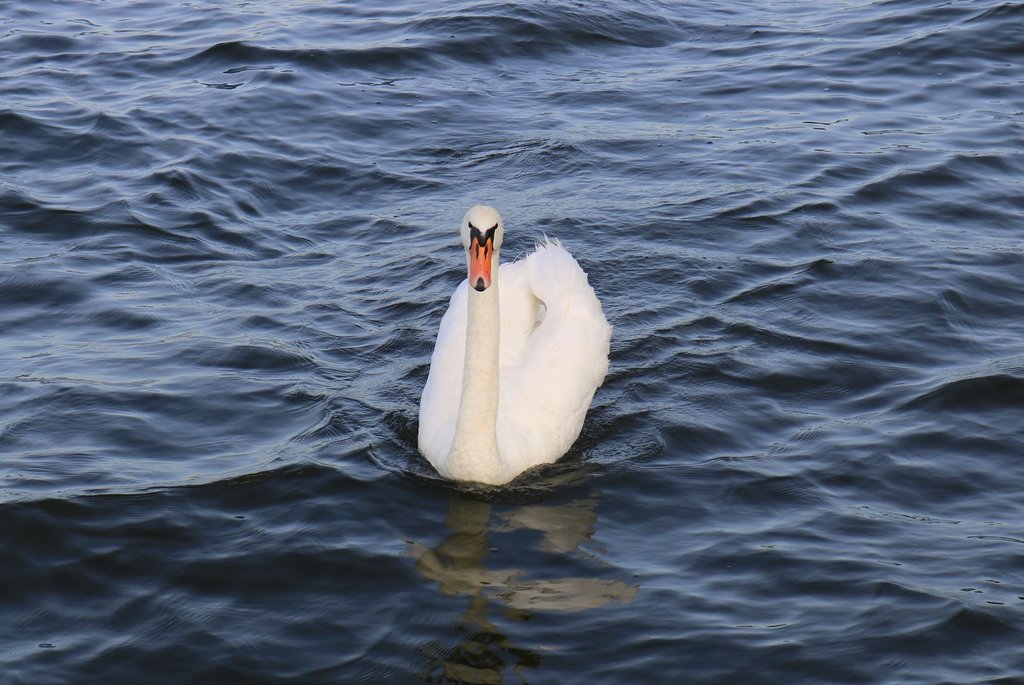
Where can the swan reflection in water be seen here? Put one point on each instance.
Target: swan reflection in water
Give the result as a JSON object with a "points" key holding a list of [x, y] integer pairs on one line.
{"points": [[461, 565]]}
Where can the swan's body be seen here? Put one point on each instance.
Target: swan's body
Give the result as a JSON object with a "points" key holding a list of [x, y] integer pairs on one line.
{"points": [[517, 361]]}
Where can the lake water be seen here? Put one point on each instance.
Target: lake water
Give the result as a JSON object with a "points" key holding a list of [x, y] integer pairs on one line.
{"points": [[228, 232]]}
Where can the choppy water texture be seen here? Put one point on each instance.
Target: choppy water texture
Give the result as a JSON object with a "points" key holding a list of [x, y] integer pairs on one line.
{"points": [[227, 236]]}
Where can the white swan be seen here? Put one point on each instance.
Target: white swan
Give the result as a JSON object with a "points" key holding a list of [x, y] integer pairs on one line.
{"points": [[514, 367]]}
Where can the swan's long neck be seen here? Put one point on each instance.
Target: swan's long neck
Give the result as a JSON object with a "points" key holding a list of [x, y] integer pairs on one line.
{"points": [[474, 454]]}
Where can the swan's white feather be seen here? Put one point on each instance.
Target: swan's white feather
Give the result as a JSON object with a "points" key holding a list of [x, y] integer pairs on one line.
{"points": [[553, 355]]}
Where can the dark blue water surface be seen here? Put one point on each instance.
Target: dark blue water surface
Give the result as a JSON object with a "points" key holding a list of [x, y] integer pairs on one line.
{"points": [[228, 232]]}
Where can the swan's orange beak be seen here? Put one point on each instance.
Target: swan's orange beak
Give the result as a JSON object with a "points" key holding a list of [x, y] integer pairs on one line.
{"points": [[480, 250]]}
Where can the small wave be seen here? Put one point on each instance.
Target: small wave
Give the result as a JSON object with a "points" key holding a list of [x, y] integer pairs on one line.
{"points": [[124, 319], [59, 47], [401, 59], [981, 392], [252, 357], [546, 28], [26, 288], [785, 284], [424, 43]]}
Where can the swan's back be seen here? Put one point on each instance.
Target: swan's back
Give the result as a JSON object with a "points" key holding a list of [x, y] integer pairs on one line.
{"points": [[553, 355], [549, 369]]}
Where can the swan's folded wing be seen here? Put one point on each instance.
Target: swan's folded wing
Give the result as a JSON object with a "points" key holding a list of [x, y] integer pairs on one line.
{"points": [[554, 354], [439, 404]]}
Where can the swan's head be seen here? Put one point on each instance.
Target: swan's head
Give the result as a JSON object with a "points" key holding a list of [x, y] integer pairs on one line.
{"points": [[482, 231]]}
